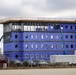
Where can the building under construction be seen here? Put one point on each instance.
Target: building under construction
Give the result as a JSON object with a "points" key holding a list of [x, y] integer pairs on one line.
{"points": [[26, 39]]}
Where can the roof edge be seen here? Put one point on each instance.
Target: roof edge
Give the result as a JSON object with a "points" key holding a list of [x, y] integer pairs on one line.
{"points": [[38, 19]]}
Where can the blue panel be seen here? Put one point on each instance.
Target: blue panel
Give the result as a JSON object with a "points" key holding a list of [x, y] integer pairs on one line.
{"points": [[48, 42]]}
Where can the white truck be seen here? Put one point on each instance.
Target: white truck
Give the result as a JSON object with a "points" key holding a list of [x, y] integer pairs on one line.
{"points": [[55, 59]]}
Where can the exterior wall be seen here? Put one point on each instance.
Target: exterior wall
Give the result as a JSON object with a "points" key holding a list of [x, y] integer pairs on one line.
{"points": [[41, 44]]}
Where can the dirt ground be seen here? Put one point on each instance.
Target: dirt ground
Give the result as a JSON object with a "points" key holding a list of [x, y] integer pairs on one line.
{"points": [[62, 71]]}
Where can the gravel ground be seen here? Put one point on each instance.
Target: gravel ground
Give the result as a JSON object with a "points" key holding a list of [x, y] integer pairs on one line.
{"points": [[62, 71]]}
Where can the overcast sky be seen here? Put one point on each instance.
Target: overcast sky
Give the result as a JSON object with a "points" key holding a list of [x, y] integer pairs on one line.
{"points": [[37, 8]]}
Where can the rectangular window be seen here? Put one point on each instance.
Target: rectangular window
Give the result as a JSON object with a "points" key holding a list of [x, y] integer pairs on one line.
{"points": [[70, 27], [36, 46], [35, 28], [32, 45], [43, 28], [46, 36], [56, 46], [37, 55], [66, 36], [42, 46], [17, 27], [39, 26], [47, 46], [57, 37], [62, 46], [75, 27], [51, 36], [31, 36], [61, 27], [26, 36], [42, 36], [16, 46], [42, 55], [26, 46], [32, 56], [66, 46], [46, 28], [51, 27], [52, 46], [25, 28], [13, 27], [16, 36], [36, 36], [66, 27], [47, 55], [29, 28], [32, 28], [26, 55]]}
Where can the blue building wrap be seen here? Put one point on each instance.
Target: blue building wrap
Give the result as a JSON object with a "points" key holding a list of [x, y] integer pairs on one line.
{"points": [[39, 44]]}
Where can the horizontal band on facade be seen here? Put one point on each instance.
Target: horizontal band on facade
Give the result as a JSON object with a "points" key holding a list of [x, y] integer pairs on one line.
{"points": [[39, 51], [42, 31], [40, 41]]}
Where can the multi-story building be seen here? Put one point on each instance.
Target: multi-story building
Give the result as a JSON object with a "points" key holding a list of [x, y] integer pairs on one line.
{"points": [[26, 39]]}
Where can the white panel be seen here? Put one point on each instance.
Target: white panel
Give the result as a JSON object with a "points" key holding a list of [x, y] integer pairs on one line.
{"points": [[25, 28], [63, 58], [32, 28]]}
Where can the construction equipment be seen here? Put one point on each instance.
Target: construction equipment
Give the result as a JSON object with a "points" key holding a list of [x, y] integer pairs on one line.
{"points": [[63, 42], [57, 26], [1, 37], [0, 41]]}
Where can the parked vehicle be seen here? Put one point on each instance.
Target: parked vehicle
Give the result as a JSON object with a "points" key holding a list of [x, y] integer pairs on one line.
{"points": [[2, 62], [15, 63], [29, 63], [63, 59], [40, 62]]}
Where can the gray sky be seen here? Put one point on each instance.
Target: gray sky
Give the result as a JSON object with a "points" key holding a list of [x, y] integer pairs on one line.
{"points": [[37, 8]]}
